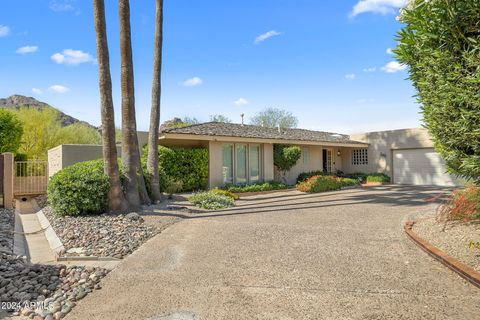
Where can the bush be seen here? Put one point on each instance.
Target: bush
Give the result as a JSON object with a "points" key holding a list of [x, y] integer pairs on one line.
{"points": [[211, 200], [257, 187], [285, 157], [377, 177], [188, 166], [325, 183], [463, 205], [305, 175], [226, 193], [79, 189]]}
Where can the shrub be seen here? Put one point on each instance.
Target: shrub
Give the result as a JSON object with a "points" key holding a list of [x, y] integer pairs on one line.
{"points": [[79, 189], [172, 187], [211, 200], [377, 177], [305, 175], [325, 183], [226, 193], [11, 131], [285, 157], [257, 187], [463, 205]]}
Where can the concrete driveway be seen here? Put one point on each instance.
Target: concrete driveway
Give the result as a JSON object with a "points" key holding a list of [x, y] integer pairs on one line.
{"points": [[288, 255]]}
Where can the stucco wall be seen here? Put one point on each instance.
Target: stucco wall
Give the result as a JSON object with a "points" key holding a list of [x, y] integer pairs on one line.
{"points": [[381, 145]]}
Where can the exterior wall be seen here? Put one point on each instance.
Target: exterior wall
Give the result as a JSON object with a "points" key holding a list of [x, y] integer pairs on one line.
{"points": [[68, 154], [216, 163], [8, 176], [382, 144]]}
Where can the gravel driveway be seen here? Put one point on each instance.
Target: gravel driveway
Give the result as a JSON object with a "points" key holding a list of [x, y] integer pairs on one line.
{"points": [[288, 255]]}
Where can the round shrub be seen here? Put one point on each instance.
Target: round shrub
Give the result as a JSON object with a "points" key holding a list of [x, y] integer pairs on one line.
{"points": [[79, 189]]}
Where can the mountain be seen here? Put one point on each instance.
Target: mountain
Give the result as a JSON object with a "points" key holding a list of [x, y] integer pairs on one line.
{"points": [[18, 101]]}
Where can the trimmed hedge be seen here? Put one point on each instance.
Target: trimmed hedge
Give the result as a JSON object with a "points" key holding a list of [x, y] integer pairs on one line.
{"points": [[325, 183], [377, 177], [211, 200], [257, 187], [79, 189]]}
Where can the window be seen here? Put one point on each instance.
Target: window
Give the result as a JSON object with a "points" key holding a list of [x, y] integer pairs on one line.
{"points": [[241, 163], [227, 168], [254, 163], [306, 155], [359, 157]]}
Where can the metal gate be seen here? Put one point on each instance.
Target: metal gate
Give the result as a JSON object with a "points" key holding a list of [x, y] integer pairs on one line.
{"points": [[31, 177]]}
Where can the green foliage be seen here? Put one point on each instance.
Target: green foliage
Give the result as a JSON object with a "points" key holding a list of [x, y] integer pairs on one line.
{"points": [[43, 131], [211, 200], [305, 175], [188, 166], [257, 187], [79, 189], [273, 117], [225, 193], [11, 130], [441, 44], [172, 187], [325, 183], [220, 118], [285, 156], [463, 204], [377, 177]]}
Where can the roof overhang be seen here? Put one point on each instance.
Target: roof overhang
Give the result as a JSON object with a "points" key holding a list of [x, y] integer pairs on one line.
{"points": [[184, 136]]}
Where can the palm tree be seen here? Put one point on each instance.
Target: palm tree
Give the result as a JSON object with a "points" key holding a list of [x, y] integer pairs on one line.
{"points": [[116, 198], [136, 191], [152, 162]]}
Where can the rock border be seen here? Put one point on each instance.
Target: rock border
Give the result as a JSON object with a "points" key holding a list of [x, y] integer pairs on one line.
{"points": [[461, 269]]}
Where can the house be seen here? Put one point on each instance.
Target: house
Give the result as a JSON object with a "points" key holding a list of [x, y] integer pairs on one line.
{"points": [[243, 154]]}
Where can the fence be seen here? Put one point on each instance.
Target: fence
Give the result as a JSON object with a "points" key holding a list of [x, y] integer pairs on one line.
{"points": [[31, 177]]}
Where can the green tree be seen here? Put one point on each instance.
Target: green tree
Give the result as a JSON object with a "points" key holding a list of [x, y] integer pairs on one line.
{"points": [[441, 43], [220, 118], [285, 157], [11, 130], [274, 117]]}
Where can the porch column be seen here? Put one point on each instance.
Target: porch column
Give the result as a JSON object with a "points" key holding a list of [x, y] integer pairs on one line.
{"points": [[8, 175]]}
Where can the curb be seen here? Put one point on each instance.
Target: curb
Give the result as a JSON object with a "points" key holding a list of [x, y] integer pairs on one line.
{"points": [[53, 240], [461, 269]]}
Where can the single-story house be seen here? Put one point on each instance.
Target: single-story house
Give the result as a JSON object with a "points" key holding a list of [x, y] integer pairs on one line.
{"points": [[242, 154]]}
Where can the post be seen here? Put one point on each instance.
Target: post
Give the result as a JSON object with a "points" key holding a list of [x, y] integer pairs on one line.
{"points": [[8, 179]]}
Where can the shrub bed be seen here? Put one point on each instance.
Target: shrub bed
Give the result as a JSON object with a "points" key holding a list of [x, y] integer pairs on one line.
{"points": [[226, 193], [257, 187], [211, 200], [463, 204], [377, 177], [325, 183], [305, 175]]}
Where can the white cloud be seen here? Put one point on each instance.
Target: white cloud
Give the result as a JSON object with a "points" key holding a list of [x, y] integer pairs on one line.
{"points": [[58, 88], [37, 91], [394, 66], [72, 57], [241, 102], [266, 35], [350, 76], [4, 31], [62, 5], [371, 69], [193, 82], [377, 6], [389, 51], [27, 49]]}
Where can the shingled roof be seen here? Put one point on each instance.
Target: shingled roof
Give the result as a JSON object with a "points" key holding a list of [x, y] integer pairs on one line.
{"points": [[250, 131]]}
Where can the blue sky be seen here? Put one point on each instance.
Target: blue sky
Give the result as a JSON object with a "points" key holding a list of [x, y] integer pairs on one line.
{"points": [[325, 61]]}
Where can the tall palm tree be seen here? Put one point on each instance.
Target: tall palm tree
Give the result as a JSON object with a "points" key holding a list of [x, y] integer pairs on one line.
{"points": [[136, 191], [152, 162], [116, 198]]}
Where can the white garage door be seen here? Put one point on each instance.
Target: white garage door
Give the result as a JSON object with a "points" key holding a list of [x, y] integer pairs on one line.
{"points": [[421, 167]]}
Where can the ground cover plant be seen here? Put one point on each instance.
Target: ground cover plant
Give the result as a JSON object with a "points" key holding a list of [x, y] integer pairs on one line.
{"points": [[211, 200], [256, 187], [463, 205], [325, 183]]}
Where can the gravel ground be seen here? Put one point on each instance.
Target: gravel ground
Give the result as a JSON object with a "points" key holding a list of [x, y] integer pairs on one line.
{"points": [[101, 235], [7, 220], [454, 240]]}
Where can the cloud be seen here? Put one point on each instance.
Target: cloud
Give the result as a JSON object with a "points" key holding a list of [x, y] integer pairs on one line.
{"points": [[193, 82], [266, 35], [57, 88], [377, 6], [350, 76], [37, 91], [72, 57], [389, 51], [27, 49], [394, 66], [4, 31], [371, 69], [241, 102], [62, 5]]}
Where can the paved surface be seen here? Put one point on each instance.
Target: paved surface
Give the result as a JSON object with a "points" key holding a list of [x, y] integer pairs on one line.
{"points": [[340, 255]]}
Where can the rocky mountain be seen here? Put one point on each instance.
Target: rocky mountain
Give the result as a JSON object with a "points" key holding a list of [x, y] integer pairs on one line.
{"points": [[17, 101]]}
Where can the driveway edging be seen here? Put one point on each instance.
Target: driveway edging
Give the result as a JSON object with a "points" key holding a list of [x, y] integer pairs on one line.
{"points": [[461, 269]]}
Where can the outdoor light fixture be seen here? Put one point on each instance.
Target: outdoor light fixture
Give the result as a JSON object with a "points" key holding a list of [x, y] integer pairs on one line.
{"points": [[339, 153]]}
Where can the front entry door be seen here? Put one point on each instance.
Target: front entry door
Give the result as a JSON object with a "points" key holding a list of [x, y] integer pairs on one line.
{"points": [[327, 160]]}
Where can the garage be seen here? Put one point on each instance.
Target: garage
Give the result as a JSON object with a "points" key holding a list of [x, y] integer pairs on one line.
{"points": [[421, 167]]}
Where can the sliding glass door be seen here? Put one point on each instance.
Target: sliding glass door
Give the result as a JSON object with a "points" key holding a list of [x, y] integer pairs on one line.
{"points": [[254, 163], [227, 168], [241, 164]]}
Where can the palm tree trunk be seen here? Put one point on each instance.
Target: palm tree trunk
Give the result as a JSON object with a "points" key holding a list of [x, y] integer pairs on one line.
{"points": [[136, 191], [116, 198], [152, 162]]}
